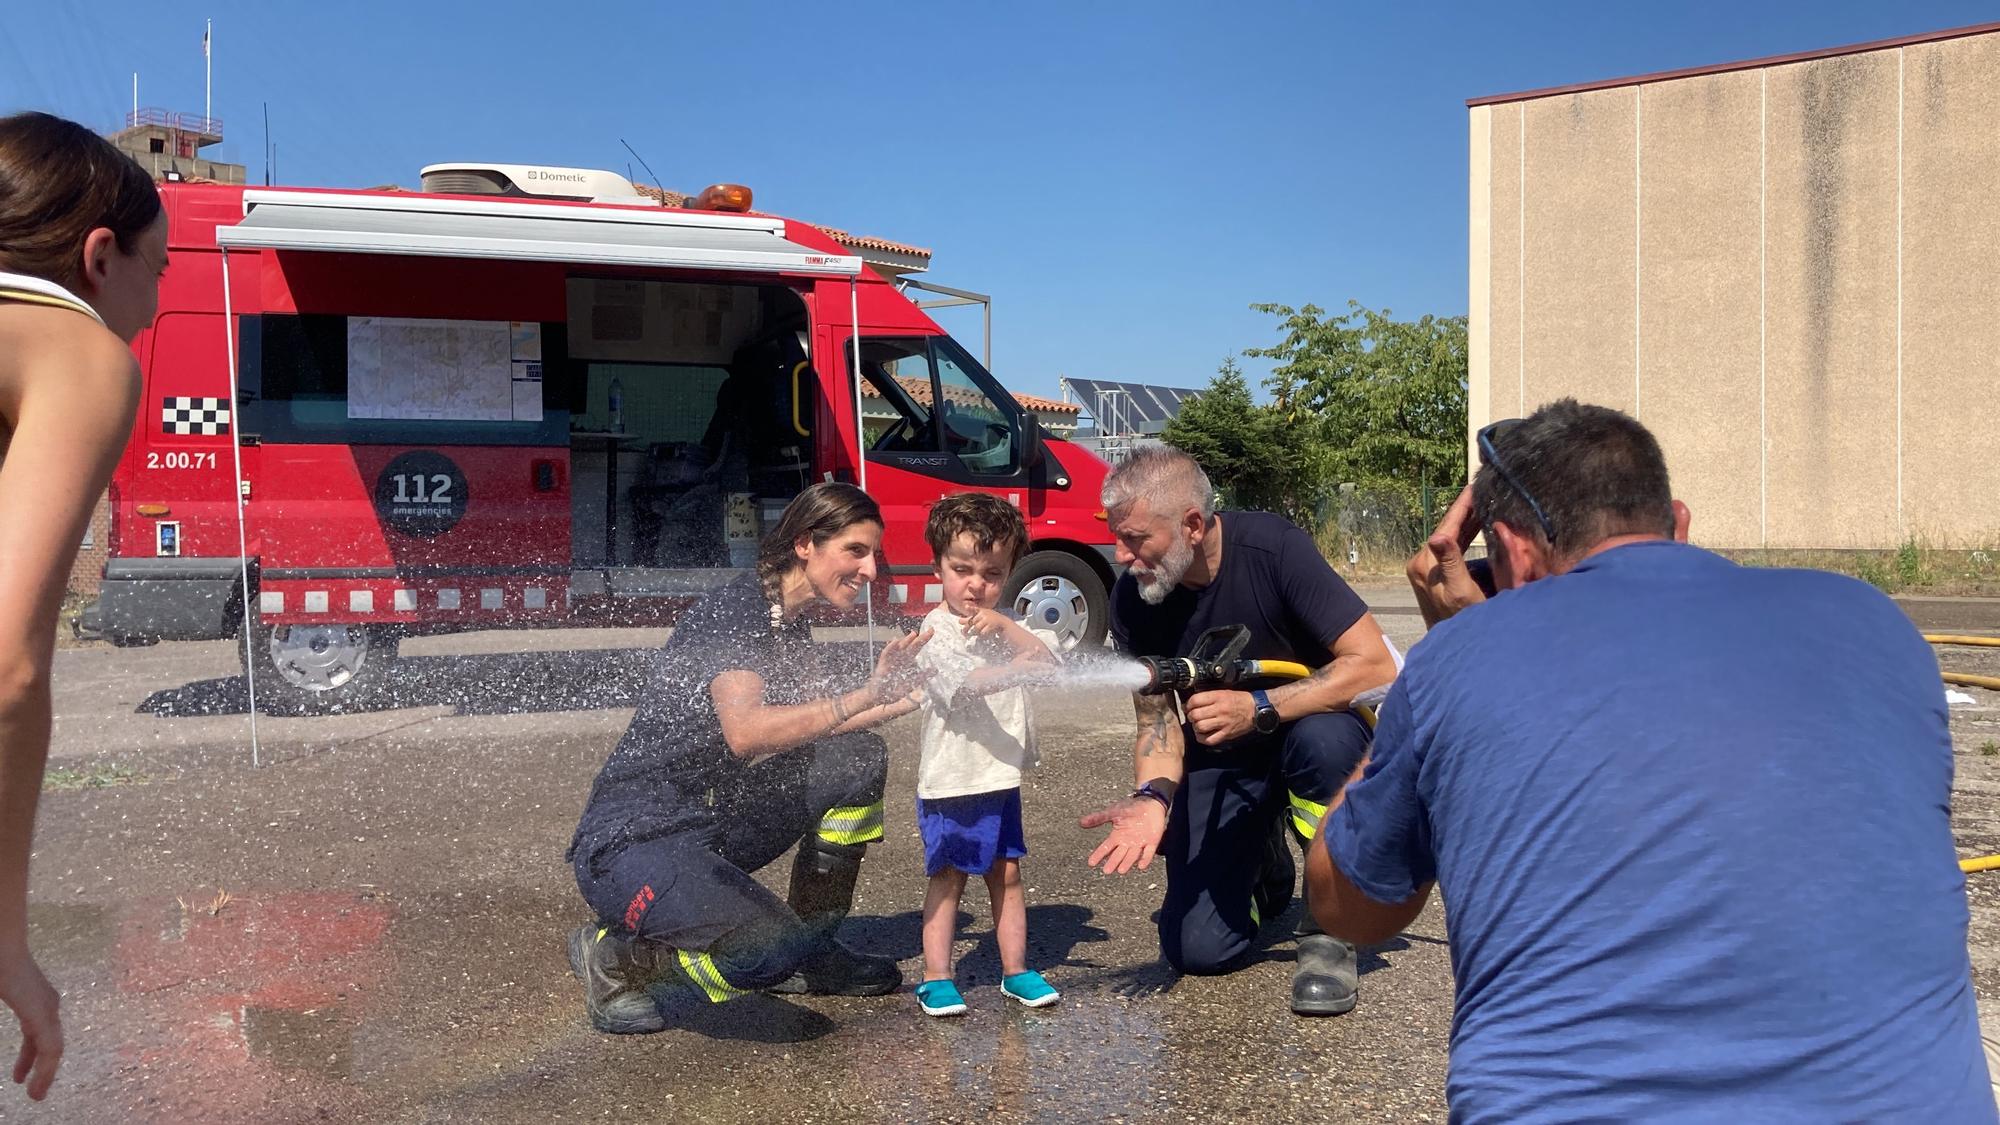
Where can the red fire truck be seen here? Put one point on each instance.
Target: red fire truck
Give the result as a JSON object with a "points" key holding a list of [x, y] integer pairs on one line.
{"points": [[531, 397]]}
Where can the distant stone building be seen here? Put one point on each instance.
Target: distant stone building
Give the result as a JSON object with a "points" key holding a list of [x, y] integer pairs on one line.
{"points": [[169, 145]]}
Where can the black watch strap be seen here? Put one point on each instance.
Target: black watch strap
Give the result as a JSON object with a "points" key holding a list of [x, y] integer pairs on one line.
{"points": [[1153, 791]]}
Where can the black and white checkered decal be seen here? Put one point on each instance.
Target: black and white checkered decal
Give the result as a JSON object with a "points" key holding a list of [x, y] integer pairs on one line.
{"points": [[194, 415]]}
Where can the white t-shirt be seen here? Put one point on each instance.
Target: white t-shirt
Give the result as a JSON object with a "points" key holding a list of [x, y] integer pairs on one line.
{"points": [[971, 743]]}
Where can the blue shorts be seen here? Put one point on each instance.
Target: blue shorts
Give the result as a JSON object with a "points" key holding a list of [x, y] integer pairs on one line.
{"points": [[972, 832]]}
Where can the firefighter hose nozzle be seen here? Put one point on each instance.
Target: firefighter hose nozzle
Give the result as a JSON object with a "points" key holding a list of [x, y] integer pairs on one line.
{"points": [[1215, 663], [1182, 673]]}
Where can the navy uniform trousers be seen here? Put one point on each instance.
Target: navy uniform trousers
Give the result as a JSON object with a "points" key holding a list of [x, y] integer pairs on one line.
{"points": [[1222, 823], [692, 890]]}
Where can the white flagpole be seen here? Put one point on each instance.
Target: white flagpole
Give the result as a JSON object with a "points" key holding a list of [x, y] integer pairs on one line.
{"points": [[208, 84], [135, 97]]}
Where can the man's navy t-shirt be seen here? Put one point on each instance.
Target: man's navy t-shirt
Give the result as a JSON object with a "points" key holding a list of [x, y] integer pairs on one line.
{"points": [[1272, 579], [1691, 825]]}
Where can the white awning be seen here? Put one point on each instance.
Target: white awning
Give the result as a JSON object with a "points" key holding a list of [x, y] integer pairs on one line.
{"points": [[427, 226]]}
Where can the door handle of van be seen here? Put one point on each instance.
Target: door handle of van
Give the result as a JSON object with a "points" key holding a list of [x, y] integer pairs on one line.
{"points": [[797, 370], [545, 476]]}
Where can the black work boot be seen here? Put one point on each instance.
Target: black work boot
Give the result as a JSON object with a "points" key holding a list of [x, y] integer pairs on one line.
{"points": [[1277, 874], [823, 878], [1326, 977], [620, 978]]}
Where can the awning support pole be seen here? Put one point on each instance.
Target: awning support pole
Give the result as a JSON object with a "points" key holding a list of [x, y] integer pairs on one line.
{"points": [[242, 533]]}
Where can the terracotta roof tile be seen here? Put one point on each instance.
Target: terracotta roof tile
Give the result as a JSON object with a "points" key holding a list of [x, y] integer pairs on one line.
{"points": [[666, 198], [857, 241], [864, 242], [919, 389], [1047, 405]]}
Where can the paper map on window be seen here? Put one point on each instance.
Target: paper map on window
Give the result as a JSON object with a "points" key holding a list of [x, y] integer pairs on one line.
{"points": [[460, 370], [527, 375]]}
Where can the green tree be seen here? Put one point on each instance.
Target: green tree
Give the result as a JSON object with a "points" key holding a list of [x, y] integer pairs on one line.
{"points": [[1254, 455], [1383, 398]]}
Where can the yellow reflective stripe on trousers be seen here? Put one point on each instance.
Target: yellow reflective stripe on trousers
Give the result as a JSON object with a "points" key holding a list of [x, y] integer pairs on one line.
{"points": [[700, 968], [852, 824], [1306, 815]]}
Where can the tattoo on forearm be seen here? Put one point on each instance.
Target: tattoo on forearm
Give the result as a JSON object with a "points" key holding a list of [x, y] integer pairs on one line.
{"points": [[1317, 679], [1156, 726]]}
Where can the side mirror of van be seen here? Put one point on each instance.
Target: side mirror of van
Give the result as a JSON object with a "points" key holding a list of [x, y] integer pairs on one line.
{"points": [[1028, 450]]}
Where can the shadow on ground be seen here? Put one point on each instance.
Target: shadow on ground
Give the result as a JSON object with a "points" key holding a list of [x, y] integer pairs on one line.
{"points": [[1054, 932], [511, 683], [497, 684]]}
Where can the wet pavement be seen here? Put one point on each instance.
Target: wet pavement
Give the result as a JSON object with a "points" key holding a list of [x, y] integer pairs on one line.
{"points": [[369, 926]]}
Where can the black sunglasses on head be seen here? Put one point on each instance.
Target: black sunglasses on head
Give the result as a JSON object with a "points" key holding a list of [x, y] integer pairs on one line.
{"points": [[1491, 456]]}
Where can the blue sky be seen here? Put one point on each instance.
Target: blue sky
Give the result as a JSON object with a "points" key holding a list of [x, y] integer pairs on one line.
{"points": [[1124, 178]]}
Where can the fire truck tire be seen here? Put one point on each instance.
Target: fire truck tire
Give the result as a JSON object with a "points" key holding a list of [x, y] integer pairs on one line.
{"points": [[319, 669], [1059, 592]]}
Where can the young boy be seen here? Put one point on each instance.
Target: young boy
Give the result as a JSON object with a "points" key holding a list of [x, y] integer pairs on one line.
{"points": [[976, 741]]}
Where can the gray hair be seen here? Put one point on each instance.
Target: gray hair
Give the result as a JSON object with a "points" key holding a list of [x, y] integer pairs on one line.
{"points": [[1170, 478]]}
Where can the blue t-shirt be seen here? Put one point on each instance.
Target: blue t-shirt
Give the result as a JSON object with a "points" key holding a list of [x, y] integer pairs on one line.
{"points": [[1691, 823]]}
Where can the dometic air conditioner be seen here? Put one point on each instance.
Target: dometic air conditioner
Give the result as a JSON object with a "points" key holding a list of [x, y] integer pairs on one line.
{"points": [[584, 185]]}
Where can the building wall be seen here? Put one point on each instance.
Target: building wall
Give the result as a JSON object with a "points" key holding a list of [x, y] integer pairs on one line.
{"points": [[87, 574], [1787, 272]]}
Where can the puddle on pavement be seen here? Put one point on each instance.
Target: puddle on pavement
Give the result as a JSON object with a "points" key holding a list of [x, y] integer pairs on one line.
{"points": [[65, 934], [318, 1040], [1102, 1054]]}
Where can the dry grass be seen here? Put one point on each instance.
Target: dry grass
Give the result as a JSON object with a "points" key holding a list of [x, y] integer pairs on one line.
{"points": [[1912, 568]]}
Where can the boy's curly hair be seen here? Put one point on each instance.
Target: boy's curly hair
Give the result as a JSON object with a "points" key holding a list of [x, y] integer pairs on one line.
{"points": [[991, 521]]}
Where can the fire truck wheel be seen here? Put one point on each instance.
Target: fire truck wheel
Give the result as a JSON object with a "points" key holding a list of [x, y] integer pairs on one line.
{"points": [[1059, 592], [319, 669]]}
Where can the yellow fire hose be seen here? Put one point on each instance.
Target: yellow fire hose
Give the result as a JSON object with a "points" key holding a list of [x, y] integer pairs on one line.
{"points": [[1284, 669], [1991, 683], [1961, 639]]}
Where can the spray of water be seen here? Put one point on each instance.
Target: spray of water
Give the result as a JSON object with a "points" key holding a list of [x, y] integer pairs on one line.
{"points": [[1088, 672]]}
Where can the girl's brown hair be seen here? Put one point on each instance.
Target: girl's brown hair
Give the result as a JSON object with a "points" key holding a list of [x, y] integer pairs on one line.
{"points": [[58, 182], [819, 513]]}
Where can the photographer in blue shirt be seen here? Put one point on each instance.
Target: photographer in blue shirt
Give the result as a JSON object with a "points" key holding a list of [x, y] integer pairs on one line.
{"points": [[1691, 821]]}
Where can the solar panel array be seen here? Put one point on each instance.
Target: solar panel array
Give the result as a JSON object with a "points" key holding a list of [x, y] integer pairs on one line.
{"points": [[1142, 408]]}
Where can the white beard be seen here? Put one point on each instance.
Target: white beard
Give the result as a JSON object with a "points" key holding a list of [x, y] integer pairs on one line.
{"points": [[1169, 573]]}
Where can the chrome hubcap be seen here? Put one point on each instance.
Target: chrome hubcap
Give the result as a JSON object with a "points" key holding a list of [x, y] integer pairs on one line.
{"points": [[319, 657], [1054, 603]]}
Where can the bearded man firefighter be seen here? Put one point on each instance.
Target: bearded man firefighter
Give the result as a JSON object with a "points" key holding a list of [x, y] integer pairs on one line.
{"points": [[1221, 786]]}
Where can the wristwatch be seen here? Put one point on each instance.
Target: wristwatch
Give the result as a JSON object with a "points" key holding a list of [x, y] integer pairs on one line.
{"points": [[1153, 791], [1266, 719]]}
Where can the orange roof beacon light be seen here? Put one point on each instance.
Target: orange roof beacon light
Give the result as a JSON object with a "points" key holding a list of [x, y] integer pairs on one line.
{"points": [[723, 197]]}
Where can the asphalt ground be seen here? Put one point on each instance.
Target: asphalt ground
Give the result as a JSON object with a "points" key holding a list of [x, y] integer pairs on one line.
{"points": [[367, 925]]}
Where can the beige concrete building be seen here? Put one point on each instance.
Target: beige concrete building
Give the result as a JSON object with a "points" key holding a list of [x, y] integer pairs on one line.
{"points": [[1788, 268]]}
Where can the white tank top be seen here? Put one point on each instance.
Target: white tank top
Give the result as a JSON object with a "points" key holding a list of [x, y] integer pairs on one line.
{"points": [[39, 291]]}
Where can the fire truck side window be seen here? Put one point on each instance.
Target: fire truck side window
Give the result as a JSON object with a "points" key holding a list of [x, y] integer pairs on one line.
{"points": [[897, 395], [976, 427], [924, 394], [294, 375]]}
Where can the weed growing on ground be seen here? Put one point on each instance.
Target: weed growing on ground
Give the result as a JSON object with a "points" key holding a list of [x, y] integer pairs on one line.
{"points": [[89, 777], [1910, 568]]}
